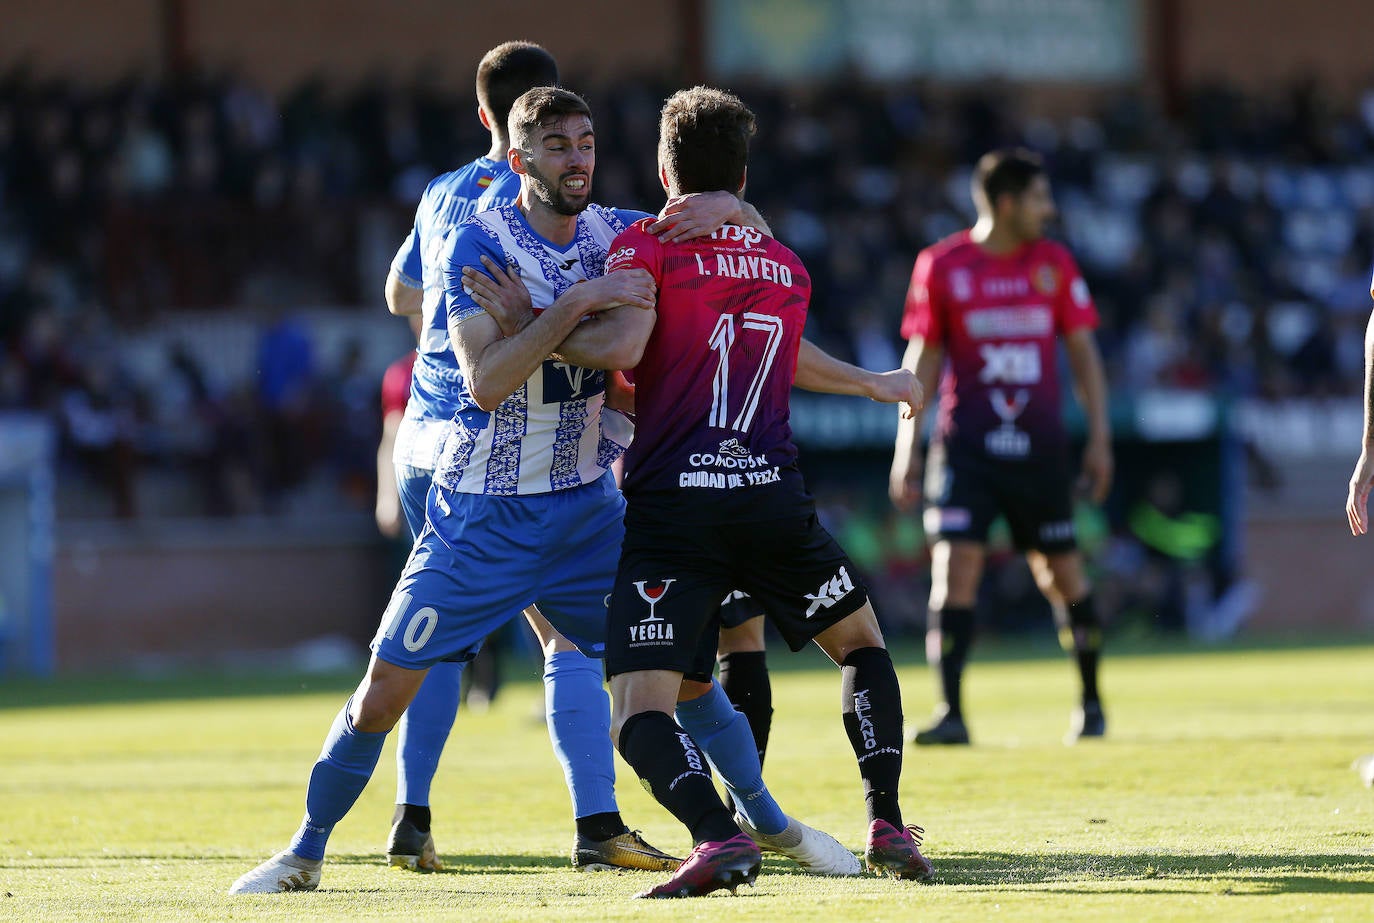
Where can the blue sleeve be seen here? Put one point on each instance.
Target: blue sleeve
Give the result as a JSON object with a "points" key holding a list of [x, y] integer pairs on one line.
{"points": [[407, 263], [464, 246]]}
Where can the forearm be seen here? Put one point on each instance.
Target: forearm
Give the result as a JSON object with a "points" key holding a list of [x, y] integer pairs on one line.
{"points": [[613, 339], [819, 371], [498, 366], [1368, 440], [1091, 386], [401, 299]]}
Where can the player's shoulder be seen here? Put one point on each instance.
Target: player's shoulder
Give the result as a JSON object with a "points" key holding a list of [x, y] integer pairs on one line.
{"points": [[1050, 250], [955, 248]]}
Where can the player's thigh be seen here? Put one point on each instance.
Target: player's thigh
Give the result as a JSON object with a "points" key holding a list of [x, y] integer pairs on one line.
{"points": [[1038, 503], [664, 610], [960, 499], [412, 485], [800, 576], [741, 624], [464, 579], [584, 530]]}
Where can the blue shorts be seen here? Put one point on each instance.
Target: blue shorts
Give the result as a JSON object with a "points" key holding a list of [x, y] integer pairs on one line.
{"points": [[412, 484], [480, 560]]}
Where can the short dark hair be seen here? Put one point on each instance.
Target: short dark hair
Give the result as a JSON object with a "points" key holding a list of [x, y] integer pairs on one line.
{"points": [[1008, 171], [508, 70], [539, 108], [703, 140]]}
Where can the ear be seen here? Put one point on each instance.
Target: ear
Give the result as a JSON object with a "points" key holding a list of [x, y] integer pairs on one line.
{"points": [[484, 118], [743, 181], [516, 160], [663, 177]]}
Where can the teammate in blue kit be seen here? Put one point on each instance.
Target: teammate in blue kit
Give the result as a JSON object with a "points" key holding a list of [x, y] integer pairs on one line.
{"points": [[523, 508], [575, 701]]}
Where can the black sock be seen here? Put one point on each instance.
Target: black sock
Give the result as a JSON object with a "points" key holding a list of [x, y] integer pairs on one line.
{"points": [[601, 826], [872, 713], [955, 628], [669, 762], [744, 677], [1086, 638], [417, 814]]}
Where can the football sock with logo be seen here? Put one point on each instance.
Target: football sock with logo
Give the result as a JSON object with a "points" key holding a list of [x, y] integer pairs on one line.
{"points": [[872, 713], [578, 712], [424, 729], [345, 765], [744, 677], [949, 637], [667, 760], [1081, 635], [723, 734]]}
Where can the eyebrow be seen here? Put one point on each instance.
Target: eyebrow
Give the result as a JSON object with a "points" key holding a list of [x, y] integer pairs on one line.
{"points": [[560, 136]]}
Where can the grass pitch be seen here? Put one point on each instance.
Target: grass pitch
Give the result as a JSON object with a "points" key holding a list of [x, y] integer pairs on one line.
{"points": [[1223, 792]]}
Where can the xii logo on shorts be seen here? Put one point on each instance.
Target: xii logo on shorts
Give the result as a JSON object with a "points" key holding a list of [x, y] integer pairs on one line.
{"points": [[652, 630], [830, 592]]}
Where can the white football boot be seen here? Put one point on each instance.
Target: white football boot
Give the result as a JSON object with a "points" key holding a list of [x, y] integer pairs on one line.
{"points": [[817, 852], [285, 871]]}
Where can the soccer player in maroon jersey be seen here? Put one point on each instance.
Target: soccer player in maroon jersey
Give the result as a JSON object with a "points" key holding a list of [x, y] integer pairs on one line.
{"points": [[716, 503], [989, 305]]}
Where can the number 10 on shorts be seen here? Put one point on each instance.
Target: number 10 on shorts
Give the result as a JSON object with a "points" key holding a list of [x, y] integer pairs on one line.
{"points": [[418, 629]]}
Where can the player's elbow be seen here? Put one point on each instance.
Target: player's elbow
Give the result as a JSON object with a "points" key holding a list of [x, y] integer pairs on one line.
{"points": [[401, 299], [485, 396], [625, 356]]}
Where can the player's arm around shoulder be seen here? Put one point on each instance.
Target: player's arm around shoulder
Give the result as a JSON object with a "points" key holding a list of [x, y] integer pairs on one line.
{"points": [[615, 338]]}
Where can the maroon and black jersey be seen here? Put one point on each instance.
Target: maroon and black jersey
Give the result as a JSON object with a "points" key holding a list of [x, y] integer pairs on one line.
{"points": [[712, 432], [998, 317]]}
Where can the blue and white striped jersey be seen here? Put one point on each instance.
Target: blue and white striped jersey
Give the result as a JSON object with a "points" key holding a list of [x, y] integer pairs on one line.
{"points": [[551, 433], [449, 200]]}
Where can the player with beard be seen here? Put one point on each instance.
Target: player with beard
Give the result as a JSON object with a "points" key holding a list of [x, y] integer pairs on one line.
{"points": [[988, 306], [523, 509]]}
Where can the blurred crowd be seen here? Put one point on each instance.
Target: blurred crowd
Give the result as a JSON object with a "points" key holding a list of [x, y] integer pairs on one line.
{"points": [[1228, 245]]}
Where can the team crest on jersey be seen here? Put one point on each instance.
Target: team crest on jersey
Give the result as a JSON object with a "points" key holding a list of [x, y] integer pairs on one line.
{"points": [[1045, 278]]}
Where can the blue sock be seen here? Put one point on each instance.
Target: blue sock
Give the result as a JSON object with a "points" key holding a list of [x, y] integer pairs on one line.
{"points": [[339, 777], [723, 735], [579, 717], [424, 730]]}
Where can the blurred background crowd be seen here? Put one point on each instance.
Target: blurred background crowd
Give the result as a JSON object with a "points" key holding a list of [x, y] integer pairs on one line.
{"points": [[192, 255]]}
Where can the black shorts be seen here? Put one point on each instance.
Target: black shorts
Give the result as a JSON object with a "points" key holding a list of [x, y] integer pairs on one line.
{"points": [[665, 610], [965, 493], [738, 608]]}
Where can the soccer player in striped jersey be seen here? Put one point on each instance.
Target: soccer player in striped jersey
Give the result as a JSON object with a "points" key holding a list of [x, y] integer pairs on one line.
{"points": [[987, 306], [523, 509], [716, 503], [575, 702]]}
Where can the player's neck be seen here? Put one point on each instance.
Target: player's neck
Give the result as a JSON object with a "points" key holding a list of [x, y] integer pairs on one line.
{"points": [[554, 227], [997, 239], [499, 147]]}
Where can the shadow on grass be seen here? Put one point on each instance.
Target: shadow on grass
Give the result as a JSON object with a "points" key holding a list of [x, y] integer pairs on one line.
{"points": [[1220, 873]]}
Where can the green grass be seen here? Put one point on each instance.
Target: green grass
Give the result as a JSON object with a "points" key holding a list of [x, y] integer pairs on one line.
{"points": [[1223, 792]]}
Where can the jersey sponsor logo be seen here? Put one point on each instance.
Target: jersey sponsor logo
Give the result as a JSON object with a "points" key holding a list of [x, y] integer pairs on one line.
{"points": [[830, 592], [1007, 441], [1010, 363], [1045, 278], [1008, 323], [738, 232], [652, 630], [732, 448], [564, 381], [1005, 287], [619, 259], [652, 594], [1059, 531]]}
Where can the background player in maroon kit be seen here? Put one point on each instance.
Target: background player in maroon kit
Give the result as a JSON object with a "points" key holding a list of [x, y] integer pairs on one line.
{"points": [[716, 503], [989, 305]]}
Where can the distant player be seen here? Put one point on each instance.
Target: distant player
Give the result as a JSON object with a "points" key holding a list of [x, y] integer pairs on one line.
{"points": [[575, 702], [988, 305], [1361, 480], [716, 503]]}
